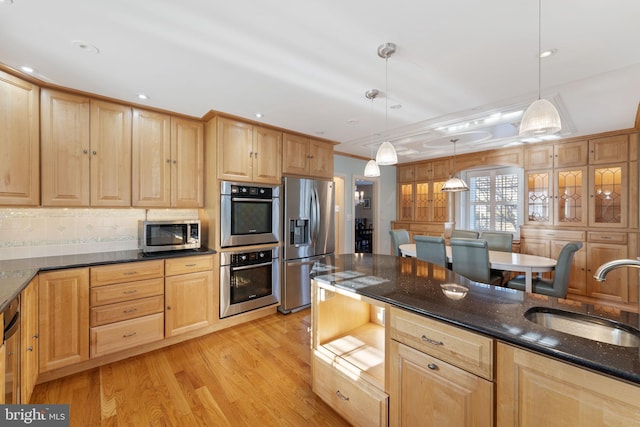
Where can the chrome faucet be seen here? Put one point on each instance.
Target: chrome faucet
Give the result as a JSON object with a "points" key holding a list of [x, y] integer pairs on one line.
{"points": [[605, 268]]}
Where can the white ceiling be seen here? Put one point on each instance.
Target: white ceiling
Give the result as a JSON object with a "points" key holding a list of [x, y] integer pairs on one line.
{"points": [[306, 65]]}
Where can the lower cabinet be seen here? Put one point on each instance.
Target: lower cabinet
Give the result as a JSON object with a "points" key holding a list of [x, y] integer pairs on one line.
{"points": [[534, 390], [63, 318], [189, 296], [2, 363], [439, 375], [29, 340], [348, 354]]}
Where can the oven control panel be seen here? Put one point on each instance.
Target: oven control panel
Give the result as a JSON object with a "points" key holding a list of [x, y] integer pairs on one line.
{"points": [[240, 259], [253, 192]]}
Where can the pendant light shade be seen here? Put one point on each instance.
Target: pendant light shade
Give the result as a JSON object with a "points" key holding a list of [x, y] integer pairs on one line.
{"points": [[541, 118], [454, 184], [386, 154], [371, 169]]}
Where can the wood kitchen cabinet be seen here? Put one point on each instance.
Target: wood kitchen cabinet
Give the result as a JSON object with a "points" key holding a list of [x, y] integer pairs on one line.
{"points": [[189, 294], [168, 161], [247, 153], [306, 156], [86, 151], [422, 201], [127, 306], [29, 340], [439, 374], [534, 390], [19, 142], [63, 316], [348, 354], [2, 363]]}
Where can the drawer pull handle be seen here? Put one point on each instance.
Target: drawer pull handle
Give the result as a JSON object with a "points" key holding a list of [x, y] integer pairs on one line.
{"points": [[190, 265], [133, 291], [341, 396], [130, 273], [128, 335], [430, 341], [133, 310], [432, 366]]}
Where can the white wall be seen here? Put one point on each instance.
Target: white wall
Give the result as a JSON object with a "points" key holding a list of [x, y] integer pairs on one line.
{"points": [[385, 202]]}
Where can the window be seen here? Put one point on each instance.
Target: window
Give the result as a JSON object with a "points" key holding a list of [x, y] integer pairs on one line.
{"points": [[492, 202]]}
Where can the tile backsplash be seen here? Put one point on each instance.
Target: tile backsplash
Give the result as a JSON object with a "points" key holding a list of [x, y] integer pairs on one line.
{"points": [[38, 232]]}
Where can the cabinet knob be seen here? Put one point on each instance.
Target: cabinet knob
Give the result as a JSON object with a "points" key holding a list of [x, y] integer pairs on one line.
{"points": [[95, 152], [168, 307], [255, 155], [168, 160], [30, 348], [341, 396], [36, 336], [432, 366], [85, 151], [175, 161]]}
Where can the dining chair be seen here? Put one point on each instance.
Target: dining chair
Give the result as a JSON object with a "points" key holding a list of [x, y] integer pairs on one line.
{"points": [[559, 285], [399, 237], [498, 240], [431, 249], [470, 258], [464, 234]]}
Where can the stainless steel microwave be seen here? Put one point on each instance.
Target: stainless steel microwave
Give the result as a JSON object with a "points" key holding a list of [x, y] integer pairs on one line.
{"points": [[157, 236]]}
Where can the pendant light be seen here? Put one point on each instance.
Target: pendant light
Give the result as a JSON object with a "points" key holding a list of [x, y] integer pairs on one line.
{"points": [[386, 154], [541, 118], [372, 169], [454, 184]]}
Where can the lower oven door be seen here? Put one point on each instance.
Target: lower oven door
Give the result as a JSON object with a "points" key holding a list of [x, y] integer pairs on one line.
{"points": [[248, 287]]}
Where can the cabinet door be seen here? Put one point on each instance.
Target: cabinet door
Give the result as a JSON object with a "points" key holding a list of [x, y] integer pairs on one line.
{"points": [[405, 202], [63, 318], [608, 195], [538, 157], [571, 154], [187, 163], [616, 287], [29, 340], [609, 149], [426, 391], [189, 302], [267, 149], [533, 390], [110, 154], [440, 169], [295, 154], [423, 201], [64, 143], [235, 149], [19, 142], [151, 159], [439, 201], [539, 197], [408, 173], [570, 199], [320, 159]]}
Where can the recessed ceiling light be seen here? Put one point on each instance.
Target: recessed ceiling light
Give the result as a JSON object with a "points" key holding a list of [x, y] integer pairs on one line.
{"points": [[27, 69], [142, 96], [395, 106], [259, 115], [547, 53], [85, 47]]}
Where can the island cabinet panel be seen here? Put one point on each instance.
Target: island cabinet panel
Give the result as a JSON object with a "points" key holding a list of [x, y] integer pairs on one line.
{"points": [[19, 142], [348, 354], [535, 390], [438, 374], [63, 313]]}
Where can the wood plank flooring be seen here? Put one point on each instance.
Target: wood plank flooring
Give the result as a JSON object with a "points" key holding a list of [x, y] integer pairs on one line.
{"points": [[254, 374]]}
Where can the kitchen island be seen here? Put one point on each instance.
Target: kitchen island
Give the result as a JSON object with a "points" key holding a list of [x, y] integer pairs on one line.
{"points": [[466, 328]]}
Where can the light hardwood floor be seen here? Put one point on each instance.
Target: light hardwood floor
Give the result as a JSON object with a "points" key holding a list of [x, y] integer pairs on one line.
{"points": [[255, 374]]}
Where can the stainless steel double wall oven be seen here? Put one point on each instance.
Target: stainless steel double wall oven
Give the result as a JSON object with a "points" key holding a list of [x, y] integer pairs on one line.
{"points": [[249, 274]]}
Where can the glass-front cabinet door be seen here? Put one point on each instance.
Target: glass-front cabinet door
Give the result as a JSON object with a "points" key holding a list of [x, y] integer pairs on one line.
{"points": [[570, 197], [608, 196], [440, 202], [405, 202], [423, 204], [539, 197]]}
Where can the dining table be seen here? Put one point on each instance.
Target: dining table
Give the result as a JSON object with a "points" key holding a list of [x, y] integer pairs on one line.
{"points": [[507, 261]]}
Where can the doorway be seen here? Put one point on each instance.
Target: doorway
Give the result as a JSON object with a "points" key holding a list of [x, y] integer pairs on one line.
{"points": [[364, 214]]}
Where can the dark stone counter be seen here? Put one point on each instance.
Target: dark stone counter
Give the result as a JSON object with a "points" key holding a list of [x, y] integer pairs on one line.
{"points": [[497, 312], [16, 274]]}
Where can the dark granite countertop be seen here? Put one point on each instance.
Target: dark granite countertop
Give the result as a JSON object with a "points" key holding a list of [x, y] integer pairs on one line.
{"points": [[498, 312], [16, 274]]}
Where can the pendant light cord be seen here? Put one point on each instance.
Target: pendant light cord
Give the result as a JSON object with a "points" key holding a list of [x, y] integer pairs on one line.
{"points": [[386, 95], [539, 48]]}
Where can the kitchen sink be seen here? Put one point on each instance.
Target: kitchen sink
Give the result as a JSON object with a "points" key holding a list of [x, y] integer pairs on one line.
{"points": [[585, 326]]}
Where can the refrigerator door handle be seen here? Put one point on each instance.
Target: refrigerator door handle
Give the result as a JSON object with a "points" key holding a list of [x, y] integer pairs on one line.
{"points": [[315, 210]]}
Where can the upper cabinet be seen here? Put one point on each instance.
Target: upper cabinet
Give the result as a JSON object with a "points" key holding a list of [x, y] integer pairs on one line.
{"points": [[307, 157], [247, 153], [86, 151], [168, 161], [19, 138]]}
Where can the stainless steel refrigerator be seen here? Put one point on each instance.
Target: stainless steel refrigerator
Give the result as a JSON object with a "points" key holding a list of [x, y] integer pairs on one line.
{"points": [[308, 236]]}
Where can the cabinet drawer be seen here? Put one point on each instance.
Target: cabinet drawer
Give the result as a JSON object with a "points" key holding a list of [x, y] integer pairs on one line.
{"points": [[620, 238], [126, 272], [526, 233], [464, 349], [190, 264], [126, 310], [358, 402], [129, 333], [126, 291]]}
